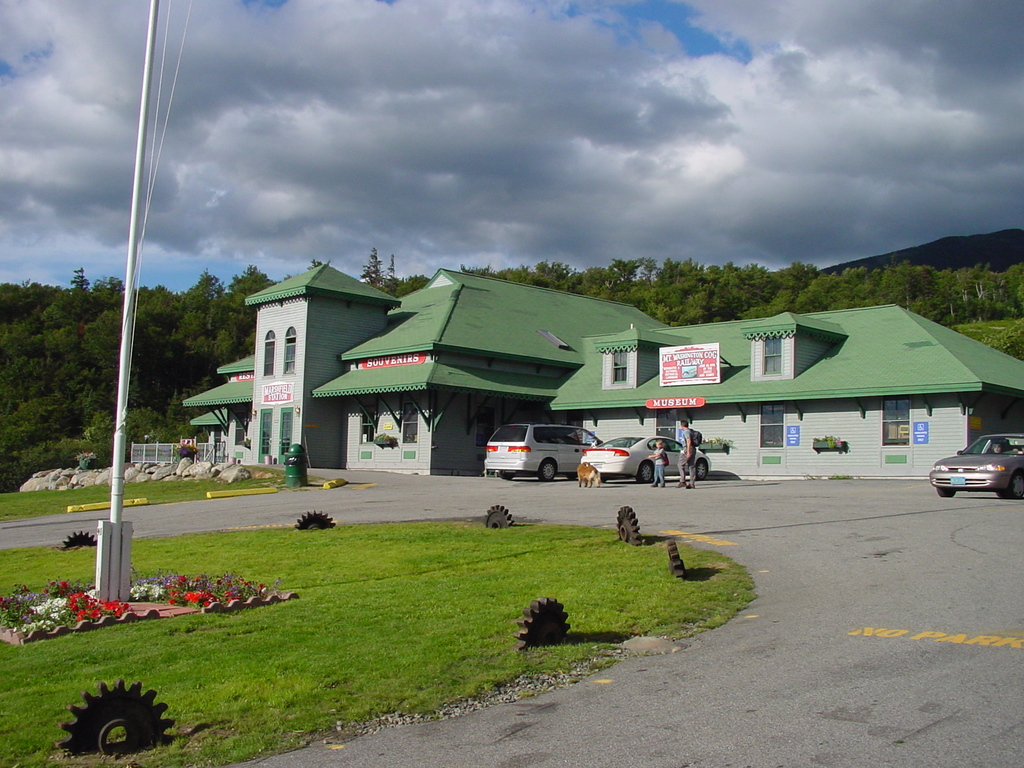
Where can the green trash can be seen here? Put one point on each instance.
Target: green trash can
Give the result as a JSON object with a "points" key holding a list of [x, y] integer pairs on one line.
{"points": [[295, 466]]}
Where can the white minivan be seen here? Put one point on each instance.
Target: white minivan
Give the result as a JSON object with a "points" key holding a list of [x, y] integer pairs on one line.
{"points": [[544, 450]]}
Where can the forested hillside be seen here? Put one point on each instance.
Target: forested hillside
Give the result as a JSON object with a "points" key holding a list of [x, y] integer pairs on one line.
{"points": [[59, 346]]}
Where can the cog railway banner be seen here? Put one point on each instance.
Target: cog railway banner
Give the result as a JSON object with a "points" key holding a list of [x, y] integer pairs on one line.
{"points": [[691, 364]]}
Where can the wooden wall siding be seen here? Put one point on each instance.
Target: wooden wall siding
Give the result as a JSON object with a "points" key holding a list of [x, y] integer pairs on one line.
{"points": [[335, 327], [839, 417], [807, 351], [648, 365], [499, 364], [454, 450], [324, 432], [989, 409]]}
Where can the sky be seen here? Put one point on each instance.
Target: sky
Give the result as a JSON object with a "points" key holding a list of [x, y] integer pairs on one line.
{"points": [[502, 133]]}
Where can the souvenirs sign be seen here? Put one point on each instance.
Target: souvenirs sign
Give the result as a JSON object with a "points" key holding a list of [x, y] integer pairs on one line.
{"points": [[414, 358], [691, 364]]}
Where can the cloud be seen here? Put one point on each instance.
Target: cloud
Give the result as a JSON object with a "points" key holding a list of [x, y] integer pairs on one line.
{"points": [[506, 132]]}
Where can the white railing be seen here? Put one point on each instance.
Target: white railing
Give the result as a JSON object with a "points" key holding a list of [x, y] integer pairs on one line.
{"points": [[166, 453]]}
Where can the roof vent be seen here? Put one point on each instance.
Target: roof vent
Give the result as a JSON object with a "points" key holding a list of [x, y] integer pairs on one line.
{"points": [[553, 339]]}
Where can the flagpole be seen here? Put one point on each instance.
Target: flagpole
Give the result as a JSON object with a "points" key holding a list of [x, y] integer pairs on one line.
{"points": [[113, 554]]}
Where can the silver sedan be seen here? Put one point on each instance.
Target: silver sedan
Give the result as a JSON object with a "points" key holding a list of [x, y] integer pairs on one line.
{"points": [[990, 463], [628, 457]]}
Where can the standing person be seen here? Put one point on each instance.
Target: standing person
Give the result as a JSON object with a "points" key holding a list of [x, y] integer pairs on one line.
{"points": [[660, 458], [687, 458]]}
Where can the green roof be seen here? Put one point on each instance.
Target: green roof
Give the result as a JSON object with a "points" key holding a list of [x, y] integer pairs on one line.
{"points": [[433, 375], [245, 365], [323, 281], [887, 351], [788, 323], [208, 419], [494, 318], [225, 394]]}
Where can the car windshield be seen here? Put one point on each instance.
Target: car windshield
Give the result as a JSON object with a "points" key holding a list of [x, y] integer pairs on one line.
{"points": [[996, 444], [621, 442]]}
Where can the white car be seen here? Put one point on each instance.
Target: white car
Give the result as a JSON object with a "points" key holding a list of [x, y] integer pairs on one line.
{"points": [[627, 457]]}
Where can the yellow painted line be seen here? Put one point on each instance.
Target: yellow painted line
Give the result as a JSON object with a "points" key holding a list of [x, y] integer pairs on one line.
{"points": [[1014, 640], [250, 492], [363, 486], [604, 681], [700, 537], [106, 505]]}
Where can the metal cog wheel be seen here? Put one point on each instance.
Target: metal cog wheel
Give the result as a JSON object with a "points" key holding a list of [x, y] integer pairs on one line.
{"points": [[118, 721], [498, 517], [79, 539], [629, 527], [543, 623], [676, 566], [314, 521]]}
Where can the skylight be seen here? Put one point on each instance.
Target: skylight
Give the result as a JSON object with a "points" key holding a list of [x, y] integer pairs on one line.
{"points": [[553, 339]]}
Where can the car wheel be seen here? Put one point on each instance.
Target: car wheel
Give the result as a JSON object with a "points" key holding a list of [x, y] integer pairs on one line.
{"points": [[506, 475], [645, 474], [945, 492], [1015, 490], [702, 469], [547, 471]]}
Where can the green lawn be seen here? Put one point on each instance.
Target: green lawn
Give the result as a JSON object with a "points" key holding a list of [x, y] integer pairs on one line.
{"points": [[390, 618], [15, 506]]}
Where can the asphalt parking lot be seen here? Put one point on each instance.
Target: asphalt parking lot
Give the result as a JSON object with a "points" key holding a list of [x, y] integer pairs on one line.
{"points": [[888, 628]]}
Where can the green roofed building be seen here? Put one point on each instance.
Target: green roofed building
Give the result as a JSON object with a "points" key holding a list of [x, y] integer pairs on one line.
{"points": [[340, 367]]}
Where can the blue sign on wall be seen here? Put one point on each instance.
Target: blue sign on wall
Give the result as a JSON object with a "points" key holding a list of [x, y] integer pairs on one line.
{"points": [[920, 433], [793, 435]]}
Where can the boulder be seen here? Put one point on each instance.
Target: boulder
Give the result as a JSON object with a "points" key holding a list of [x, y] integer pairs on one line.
{"points": [[233, 473], [162, 471], [199, 470], [183, 465]]}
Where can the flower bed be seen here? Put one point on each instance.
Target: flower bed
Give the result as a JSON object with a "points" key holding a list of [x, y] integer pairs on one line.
{"points": [[63, 607]]}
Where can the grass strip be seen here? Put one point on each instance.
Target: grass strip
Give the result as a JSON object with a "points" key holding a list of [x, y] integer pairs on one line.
{"points": [[391, 618]]}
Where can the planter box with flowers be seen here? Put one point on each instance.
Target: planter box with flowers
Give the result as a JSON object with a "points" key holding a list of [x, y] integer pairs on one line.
{"points": [[716, 445], [385, 441], [85, 459], [830, 443]]}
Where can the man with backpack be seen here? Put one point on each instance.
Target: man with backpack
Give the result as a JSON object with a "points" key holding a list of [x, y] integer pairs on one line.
{"points": [[690, 438]]}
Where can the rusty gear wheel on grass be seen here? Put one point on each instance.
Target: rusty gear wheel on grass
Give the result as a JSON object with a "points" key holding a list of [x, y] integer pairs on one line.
{"points": [[543, 623], [498, 517], [314, 521], [629, 526], [118, 721], [676, 566], [79, 539]]}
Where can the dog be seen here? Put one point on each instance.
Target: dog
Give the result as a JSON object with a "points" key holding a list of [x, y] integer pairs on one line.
{"points": [[587, 476]]}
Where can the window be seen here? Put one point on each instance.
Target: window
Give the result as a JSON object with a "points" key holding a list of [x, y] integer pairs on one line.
{"points": [[772, 356], [619, 367], [896, 421], [289, 351], [773, 416], [269, 343], [665, 422], [410, 423], [368, 426]]}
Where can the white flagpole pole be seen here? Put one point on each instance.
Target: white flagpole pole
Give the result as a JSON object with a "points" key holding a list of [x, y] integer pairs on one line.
{"points": [[113, 554]]}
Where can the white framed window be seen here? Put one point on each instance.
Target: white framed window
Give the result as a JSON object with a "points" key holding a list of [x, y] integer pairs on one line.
{"points": [[269, 350], [772, 357], [289, 350]]}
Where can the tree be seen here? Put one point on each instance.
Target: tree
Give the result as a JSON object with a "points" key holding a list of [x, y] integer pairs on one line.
{"points": [[373, 271]]}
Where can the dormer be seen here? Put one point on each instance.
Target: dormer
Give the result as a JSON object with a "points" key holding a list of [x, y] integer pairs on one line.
{"points": [[784, 346], [630, 357]]}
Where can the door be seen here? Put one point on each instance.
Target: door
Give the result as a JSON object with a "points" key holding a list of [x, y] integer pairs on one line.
{"points": [[285, 436]]}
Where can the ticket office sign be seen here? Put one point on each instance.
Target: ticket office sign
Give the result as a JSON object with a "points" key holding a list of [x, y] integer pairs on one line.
{"points": [[690, 364]]}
